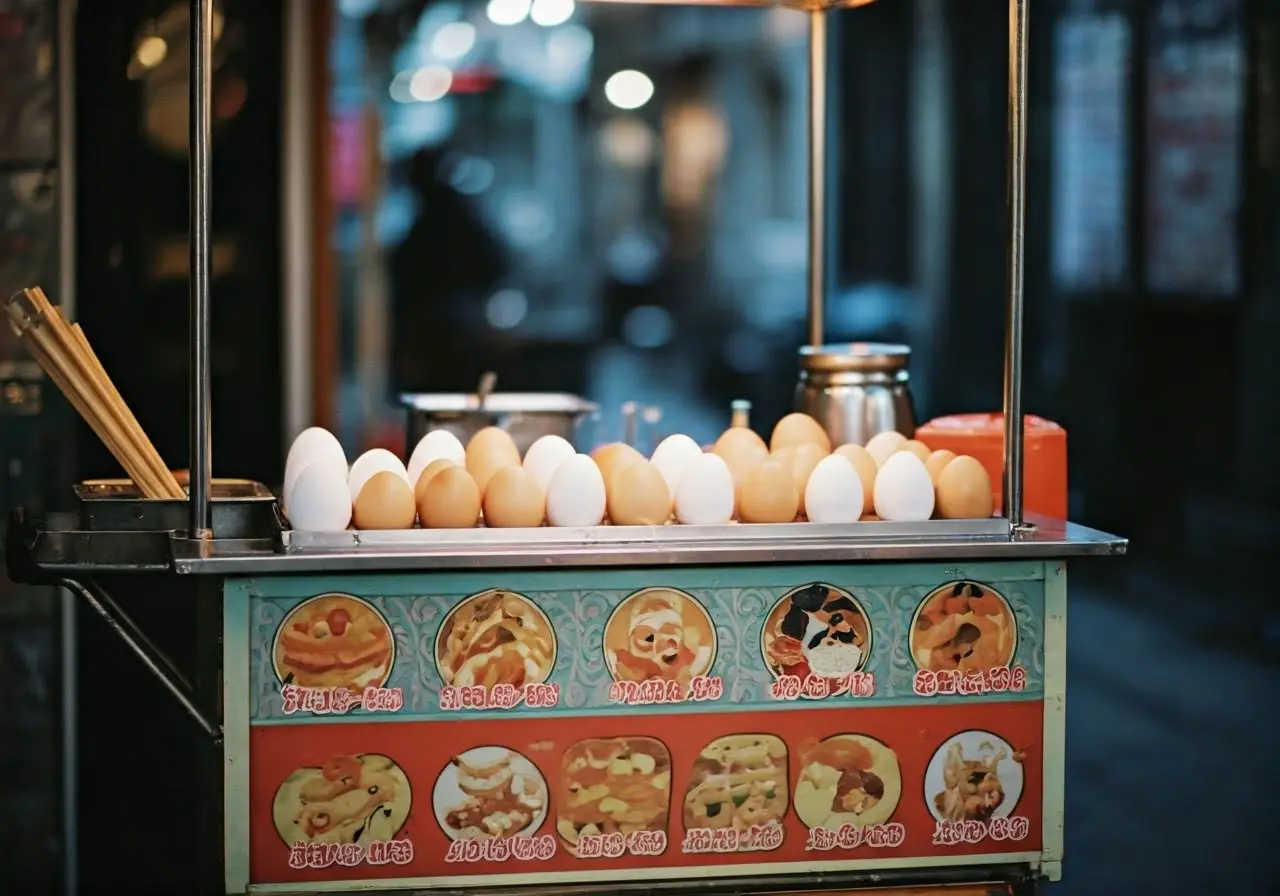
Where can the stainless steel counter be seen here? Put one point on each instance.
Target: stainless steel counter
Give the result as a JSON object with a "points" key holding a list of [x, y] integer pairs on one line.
{"points": [[635, 546]]}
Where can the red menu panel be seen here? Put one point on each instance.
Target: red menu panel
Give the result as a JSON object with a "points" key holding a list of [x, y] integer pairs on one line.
{"points": [[606, 795]]}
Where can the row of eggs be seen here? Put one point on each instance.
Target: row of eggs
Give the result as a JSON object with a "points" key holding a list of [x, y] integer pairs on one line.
{"points": [[796, 475]]}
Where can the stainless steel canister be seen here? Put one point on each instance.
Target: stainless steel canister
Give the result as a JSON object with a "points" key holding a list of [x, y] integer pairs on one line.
{"points": [[856, 390], [527, 416]]}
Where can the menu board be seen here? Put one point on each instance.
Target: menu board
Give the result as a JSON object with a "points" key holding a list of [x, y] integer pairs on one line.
{"points": [[607, 725]]}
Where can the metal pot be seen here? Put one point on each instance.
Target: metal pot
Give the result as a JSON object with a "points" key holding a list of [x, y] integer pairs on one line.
{"points": [[856, 390], [527, 416]]}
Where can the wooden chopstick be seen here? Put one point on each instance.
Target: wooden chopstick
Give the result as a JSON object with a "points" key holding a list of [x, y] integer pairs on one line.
{"points": [[139, 435], [88, 364], [64, 353]]}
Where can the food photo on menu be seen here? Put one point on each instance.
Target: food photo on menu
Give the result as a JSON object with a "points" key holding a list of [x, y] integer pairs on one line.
{"points": [[738, 781], [613, 785], [349, 799], [847, 779], [974, 776], [964, 626], [817, 629], [487, 793], [495, 637], [334, 641], [659, 634]]}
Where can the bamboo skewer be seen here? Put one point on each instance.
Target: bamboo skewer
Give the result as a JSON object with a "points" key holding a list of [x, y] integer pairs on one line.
{"points": [[64, 353]]}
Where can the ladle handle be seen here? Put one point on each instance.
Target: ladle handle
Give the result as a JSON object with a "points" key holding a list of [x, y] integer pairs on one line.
{"points": [[488, 380]]}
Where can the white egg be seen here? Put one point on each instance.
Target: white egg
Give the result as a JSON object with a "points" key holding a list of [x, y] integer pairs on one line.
{"points": [[673, 456], [904, 490], [544, 457], [882, 446], [312, 444], [575, 495], [435, 445], [375, 460], [705, 496], [319, 500], [834, 492]]}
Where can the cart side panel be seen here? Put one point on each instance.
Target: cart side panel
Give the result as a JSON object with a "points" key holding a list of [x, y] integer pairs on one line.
{"points": [[591, 726]]}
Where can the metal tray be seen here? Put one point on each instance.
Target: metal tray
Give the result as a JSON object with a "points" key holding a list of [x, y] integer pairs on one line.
{"points": [[673, 536], [242, 508]]}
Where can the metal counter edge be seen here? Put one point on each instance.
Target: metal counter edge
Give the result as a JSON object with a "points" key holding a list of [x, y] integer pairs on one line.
{"points": [[1050, 539]]}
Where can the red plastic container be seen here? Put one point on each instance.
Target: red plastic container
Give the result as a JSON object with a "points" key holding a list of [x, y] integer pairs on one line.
{"points": [[981, 436]]}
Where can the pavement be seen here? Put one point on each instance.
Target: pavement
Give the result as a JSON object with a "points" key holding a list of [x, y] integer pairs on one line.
{"points": [[1172, 747]]}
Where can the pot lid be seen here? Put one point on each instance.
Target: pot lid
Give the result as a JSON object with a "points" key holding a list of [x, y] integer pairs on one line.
{"points": [[862, 357]]}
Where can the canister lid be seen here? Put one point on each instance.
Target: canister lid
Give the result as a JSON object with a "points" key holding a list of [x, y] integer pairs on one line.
{"points": [[862, 357]]}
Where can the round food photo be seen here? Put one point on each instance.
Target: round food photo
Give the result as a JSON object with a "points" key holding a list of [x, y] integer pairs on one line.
{"points": [[659, 634], [490, 792], [334, 641], [847, 779], [495, 637], [738, 781], [963, 626], [349, 799], [613, 785], [818, 629], [973, 776]]}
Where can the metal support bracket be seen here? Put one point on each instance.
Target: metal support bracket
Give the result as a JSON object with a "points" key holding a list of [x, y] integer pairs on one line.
{"points": [[1023, 531], [155, 659]]}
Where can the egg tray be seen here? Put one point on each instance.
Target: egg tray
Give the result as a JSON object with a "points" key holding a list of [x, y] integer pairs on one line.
{"points": [[742, 534]]}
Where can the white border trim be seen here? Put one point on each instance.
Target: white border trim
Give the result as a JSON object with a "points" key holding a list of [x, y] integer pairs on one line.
{"points": [[580, 877], [235, 737], [1053, 829]]}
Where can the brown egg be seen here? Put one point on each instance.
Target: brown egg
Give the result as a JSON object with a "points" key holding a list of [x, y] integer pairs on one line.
{"points": [[964, 491], [797, 429], [490, 450], [937, 461], [741, 449], [513, 500], [428, 472], [769, 495], [493, 438], [883, 445], [448, 498], [385, 502], [613, 457], [918, 448], [867, 468], [638, 496]]}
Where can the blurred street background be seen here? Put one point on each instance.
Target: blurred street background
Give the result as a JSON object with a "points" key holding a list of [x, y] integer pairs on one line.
{"points": [[610, 200]]}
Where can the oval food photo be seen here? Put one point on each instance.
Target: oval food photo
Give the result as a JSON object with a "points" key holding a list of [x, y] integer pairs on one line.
{"points": [[966, 626], [495, 637], [347, 799], [659, 634], [818, 629], [490, 792], [334, 641], [974, 776]]}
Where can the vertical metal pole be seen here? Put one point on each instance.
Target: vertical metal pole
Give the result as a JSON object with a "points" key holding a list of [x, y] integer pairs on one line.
{"points": [[201, 126], [1013, 423], [817, 174]]}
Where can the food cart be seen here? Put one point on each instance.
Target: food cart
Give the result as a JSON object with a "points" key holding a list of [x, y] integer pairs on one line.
{"points": [[358, 741]]}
